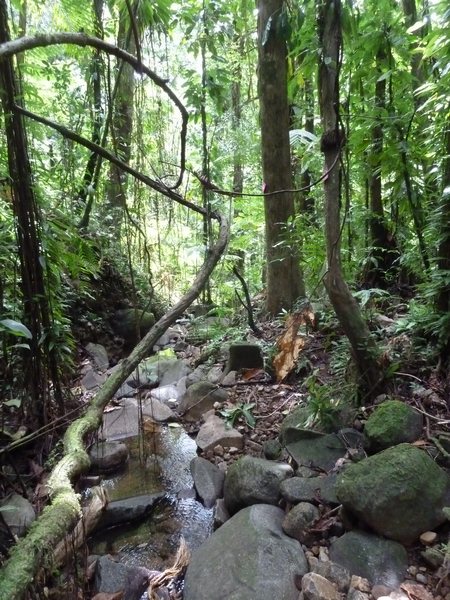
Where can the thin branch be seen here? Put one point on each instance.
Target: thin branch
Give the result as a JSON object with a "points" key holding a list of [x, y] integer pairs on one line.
{"points": [[81, 39], [247, 304], [71, 135]]}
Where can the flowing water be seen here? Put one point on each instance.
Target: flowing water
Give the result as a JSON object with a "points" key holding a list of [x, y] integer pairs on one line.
{"points": [[159, 461]]}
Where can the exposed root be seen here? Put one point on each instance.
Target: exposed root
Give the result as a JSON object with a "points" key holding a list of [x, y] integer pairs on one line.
{"points": [[172, 573]]}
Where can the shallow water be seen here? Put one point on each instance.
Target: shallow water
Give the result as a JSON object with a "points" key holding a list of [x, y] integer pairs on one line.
{"points": [[159, 461]]}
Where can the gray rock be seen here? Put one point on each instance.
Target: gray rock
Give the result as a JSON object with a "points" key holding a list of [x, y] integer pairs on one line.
{"points": [[127, 510], [354, 594], [18, 513], [122, 421], [198, 374], [248, 558], [316, 587], [92, 379], [125, 391], [220, 514], [253, 480], [296, 419], [111, 577], [98, 354], [381, 561], [313, 449], [208, 480], [229, 378], [108, 456], [165, 393], [272, 449], [199, 398], [399, 493], [335, 573], [151, 407], [215, 374], [164, 370], [214, 432], [298, 519], [317, 490], [392, 423]]}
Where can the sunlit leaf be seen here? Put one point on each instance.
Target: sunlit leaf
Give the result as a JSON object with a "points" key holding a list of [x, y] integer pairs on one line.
{"points": [[16, 328]]}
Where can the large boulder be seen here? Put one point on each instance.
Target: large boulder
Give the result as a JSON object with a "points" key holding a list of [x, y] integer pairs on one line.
{"points": [[128, 322], [392, 423], [199, 398], [381, 561], [248, 558], [399, 493], [253, 480]]}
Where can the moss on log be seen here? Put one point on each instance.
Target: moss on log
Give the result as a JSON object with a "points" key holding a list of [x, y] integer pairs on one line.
{"points": [[58, 518]]}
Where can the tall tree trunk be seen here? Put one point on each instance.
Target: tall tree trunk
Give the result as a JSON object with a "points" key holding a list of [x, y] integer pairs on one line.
{"points": [[40, 361], [346, 308], [284, 278], [382, 251], [122, 125]]}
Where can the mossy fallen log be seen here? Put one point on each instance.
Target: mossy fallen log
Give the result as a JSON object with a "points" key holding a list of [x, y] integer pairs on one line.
{"points": [[35, 550]]}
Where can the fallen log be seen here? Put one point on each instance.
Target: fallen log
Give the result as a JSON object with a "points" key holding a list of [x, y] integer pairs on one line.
{"points": [[35, 550]]}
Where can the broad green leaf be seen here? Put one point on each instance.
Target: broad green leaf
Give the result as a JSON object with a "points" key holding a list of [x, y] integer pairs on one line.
{"points": [[16, 328]]}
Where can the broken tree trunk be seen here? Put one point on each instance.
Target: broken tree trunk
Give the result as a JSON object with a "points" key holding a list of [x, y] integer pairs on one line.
{"points": [[58, 518]]}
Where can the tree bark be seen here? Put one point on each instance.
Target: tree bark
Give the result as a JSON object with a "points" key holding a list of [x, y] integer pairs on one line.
{"points": [[347, 310], [284, 278], [16, 575]]}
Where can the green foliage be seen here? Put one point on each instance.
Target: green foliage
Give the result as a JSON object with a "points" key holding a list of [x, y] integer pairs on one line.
{"points": [[322, 405], [242, 411]]}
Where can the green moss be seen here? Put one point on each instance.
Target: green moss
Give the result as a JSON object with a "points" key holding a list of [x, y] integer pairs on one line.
{"points": [[392, 423]]}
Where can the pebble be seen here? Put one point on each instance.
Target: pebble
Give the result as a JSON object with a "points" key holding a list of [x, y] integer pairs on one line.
{"points": [[412, 570], [360, 583], [428, 537], [218, 450], [421, 578], [323, 554]]}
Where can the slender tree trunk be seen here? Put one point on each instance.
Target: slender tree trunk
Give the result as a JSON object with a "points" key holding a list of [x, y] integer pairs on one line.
{"points": [[284, 278], [122, 125], [382, 251], [40, 361], [346, 308]]}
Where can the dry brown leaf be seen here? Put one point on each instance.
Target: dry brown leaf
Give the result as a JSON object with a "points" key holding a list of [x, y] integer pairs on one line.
{"points": [[416, 591], [249, 374], [290, 343]]}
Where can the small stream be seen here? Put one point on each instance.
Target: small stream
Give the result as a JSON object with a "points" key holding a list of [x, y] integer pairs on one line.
{"points": [[159, 461]]}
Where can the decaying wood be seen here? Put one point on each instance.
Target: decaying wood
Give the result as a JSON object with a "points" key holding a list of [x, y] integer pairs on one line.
{"points": [[182, 559], [90, 517], [56, 520]]}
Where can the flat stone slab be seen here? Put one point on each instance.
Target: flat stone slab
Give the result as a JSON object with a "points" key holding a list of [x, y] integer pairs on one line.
{"points": [[313, 449], [317, 490], [215, 433], [128, 510], [120, 422]]}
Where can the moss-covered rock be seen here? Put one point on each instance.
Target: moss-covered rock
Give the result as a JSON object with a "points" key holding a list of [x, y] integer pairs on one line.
{"points": [[399, 493], [128, 322], [392, 423]]}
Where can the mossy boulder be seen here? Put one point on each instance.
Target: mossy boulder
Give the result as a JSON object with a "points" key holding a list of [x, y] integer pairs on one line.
{"points": [[399, 492], [392, 423], [129, 322]]}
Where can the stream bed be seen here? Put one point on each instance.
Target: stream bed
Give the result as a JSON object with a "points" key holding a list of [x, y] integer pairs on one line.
{"points": [[159, 462]]}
